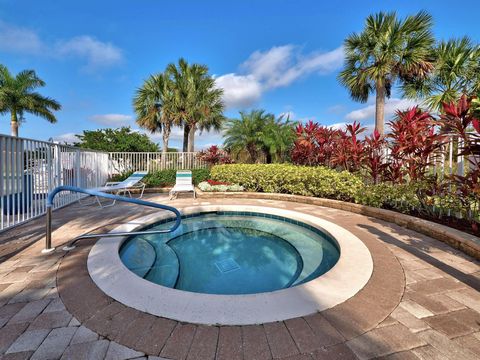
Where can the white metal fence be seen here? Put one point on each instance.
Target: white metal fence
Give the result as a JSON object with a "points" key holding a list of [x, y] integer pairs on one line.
{"points": [[29, 169], [122, 162]]}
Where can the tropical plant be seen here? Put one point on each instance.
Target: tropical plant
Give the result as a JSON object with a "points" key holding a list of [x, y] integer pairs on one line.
{"points": [[459, 120], [153, 105], [315, 144], [375, 160], [18, 96], [198, 103], [112, 140], [214, 156], [349, 149], [414, 141], [456, 71], [259, 132], [388, 51]]}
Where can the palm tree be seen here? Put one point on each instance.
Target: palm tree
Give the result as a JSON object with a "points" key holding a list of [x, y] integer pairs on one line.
{"points": [[154, 106], [17, 96], [198, 102], [456, 72], [259, 132], [388, 50]]}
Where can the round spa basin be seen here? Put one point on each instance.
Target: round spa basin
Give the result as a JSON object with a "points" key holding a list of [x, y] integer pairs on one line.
{"points": [[231, 253]]}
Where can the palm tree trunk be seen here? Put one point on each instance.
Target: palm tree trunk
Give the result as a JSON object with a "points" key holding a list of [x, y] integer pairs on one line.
{"points": [[165, 137], [14, 124], [186, 131], [380, 107], [191, 138]]}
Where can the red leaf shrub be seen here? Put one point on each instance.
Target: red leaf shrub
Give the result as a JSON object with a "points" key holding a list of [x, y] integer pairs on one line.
{"points": [[214, 182], [375, 147], [348, 152], [459, 121], [314, 145], [414, 141], [214, 156]]}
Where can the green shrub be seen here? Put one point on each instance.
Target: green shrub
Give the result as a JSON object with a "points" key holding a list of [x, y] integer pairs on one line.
{"points": [[402, 198], [163, 178], [290, 179]]}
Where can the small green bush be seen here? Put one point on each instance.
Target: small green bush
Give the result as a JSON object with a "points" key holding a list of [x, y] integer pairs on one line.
{"points": [[163, 178], [291, 179], [402, 198]]}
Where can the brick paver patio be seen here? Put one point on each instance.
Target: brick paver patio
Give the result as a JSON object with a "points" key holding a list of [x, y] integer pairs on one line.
{"points": [[422, 302]]}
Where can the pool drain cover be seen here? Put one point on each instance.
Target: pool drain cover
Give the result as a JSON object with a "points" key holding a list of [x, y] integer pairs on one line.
{"points": [[227, 265]]}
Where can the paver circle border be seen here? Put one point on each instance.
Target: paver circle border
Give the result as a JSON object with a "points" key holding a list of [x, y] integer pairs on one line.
{"points": [[349, 275]]}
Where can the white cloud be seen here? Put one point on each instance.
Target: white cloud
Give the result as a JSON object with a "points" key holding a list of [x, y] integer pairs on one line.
{"points": [[68, 138], [97, 54], [391, 106], [18, 39], [277, 67], [336, 109], [112, 119]]}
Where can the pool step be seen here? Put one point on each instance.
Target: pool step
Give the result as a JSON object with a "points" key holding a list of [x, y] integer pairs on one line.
{"points": [[138, 256], [166, 268]]}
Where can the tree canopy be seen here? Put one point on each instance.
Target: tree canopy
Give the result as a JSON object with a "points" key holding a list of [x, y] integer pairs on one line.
{"points": [[112, 140], [18, 96]]}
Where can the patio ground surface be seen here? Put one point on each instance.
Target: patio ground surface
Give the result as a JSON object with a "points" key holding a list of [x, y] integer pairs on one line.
{"points": [[422, 301]]}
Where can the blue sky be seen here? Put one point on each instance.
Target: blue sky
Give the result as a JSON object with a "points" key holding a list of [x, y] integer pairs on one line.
{"points": [[282, 56]]}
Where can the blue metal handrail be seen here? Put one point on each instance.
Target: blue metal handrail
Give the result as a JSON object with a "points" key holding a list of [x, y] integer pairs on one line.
{"points": [[54, 192]]}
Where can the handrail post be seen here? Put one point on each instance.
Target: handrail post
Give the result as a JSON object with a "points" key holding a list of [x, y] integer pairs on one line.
{"points": [[48, 232]]}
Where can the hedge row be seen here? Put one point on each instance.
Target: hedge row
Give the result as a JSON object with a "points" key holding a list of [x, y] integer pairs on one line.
{"points": [[163, 178], [291, 179]]}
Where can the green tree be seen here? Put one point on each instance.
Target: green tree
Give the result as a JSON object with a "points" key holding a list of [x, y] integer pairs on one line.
{"points": [[18, 96], [456, 72], [112, 140], [258, 132], [198, 102], [153, 104], [388, 50]]}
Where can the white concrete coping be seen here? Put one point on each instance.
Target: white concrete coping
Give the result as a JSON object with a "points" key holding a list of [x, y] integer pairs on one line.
{"points": [[349, 275]]}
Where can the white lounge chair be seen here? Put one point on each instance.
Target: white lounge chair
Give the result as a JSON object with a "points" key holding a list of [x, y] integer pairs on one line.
{"points": [[123, 187], [183, 183]]}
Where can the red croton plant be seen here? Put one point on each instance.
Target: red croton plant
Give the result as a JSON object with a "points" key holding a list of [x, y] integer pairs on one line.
{"points": [[414, 142], [459, 121], [214, 156], [315, 144], [406, 153]]}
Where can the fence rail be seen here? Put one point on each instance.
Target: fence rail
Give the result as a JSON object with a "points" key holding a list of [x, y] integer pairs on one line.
{"points": [[30, 169], [121, 162]]}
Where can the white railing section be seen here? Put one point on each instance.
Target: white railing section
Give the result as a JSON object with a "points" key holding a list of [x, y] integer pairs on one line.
{"points": [[122, 162], [29, 169]]}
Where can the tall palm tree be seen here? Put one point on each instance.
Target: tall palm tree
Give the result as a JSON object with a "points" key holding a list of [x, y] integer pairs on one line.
{"points": [[154, 106], [456, 72], [259, 132], [388, 50], [18, 95], [198, 101]]}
